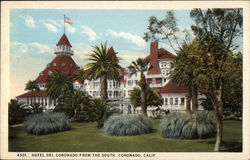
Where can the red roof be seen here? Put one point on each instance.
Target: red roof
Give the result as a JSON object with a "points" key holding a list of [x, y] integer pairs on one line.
{"points": [[64, 41], [172, 87], [60, 63], [162, 54], [41, 93]]}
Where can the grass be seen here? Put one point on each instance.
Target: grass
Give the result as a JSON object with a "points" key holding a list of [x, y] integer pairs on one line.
{"points": [[85, 137]]}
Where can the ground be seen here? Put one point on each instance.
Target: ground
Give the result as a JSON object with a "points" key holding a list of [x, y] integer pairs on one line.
{"points": [[85, 137]]}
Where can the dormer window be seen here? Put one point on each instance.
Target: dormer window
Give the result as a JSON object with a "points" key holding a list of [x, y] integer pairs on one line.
{"points": [[54, 64], [50, 72]]}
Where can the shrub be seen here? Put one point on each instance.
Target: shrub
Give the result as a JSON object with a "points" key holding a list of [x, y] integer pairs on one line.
{"points": [[188, 126], [127, 125], [46, 123]]}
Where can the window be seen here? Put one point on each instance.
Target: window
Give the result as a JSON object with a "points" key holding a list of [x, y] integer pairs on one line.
{"points": [[176, 101], [54, 64], [171, 101], [182, 101], [153, 81], [50, 72], [63, 64], [166, 101]]}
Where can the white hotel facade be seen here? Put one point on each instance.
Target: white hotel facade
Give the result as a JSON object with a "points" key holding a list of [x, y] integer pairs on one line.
{"points": [[118, 91]]}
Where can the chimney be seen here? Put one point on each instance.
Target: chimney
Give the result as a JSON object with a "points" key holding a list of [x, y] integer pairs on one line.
{"points": [[154, 50]]}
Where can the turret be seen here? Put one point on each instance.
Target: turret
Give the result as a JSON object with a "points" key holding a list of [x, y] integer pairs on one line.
{"points": [[63, 47]]}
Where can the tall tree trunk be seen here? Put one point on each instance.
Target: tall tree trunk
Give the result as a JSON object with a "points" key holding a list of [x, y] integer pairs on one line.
{"points": [[104, 93], [188, 100], [143, 95], [194, 96], [143, 101], [219, 118]]}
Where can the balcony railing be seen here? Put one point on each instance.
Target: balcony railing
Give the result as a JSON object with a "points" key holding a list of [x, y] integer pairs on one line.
{"points": [[61, 50], [155, 85], [154, 76]]}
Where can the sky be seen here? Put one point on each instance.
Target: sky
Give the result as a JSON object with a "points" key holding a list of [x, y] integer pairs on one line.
{"points": [[34, 34]]}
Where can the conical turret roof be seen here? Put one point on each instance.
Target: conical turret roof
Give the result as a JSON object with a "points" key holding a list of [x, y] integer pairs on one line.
{"points": [[64, 41]]}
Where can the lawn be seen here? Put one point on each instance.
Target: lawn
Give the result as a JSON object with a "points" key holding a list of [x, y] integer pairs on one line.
{"points": [[85, 137]]}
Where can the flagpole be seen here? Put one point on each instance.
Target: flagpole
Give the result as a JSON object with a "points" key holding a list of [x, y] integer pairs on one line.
{"points": [[64, 23]]}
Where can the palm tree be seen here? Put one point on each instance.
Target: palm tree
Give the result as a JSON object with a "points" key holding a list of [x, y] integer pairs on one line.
{"points": [[36, 108], [58, 85], [104, 65], [153, 97], [17, 111], [182, 73], [32, 86], [80, 75], [141, 66]]}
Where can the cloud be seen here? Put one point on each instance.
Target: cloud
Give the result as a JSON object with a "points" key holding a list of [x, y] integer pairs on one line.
{"points": [[34, 47], [137, 40], [55, 25], [40, 48], [128, 56], [19, 47], [29, 21], [50, 27], [89, 32]]}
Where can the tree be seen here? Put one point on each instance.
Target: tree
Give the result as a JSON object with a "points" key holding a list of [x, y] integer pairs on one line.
{"points": [[80, 75], [58, 85], [224, 25], [233, 82], [17, 112], [166, 30], [32, 86], [210, 57], [182, 74], [217, 30], [141, 66], [104, 65], [153, 97], [36, 108], [102, 111]]}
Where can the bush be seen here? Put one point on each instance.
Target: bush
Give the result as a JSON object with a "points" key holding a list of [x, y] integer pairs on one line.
{"points": [[127, 125], [46, 123], [188, 126]]}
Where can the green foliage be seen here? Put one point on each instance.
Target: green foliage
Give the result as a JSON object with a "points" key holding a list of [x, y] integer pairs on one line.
{"points": [[46, 123], [104, 62], [36, 108], [32, 86], [17, 112], [188, 126], [127, 125], [153, 97], [58, 84], [140, 65], [102, 111], [224, 25], [104, 65], [233, 86]]}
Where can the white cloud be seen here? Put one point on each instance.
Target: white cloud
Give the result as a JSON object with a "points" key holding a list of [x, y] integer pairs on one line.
{"points": [[70, 28], [128, 56], [19, 47], [55, 25], [50, 27], [34, 47], [40, 48], [29, 21], [137, 40], [89, 32]]}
